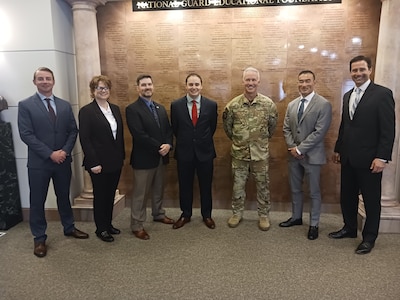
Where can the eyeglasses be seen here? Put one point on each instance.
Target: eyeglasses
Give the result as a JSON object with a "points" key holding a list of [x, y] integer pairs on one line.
{"points": [[102, 88]]}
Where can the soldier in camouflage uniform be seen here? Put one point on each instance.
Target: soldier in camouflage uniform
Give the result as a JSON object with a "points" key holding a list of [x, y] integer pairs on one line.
{"points": [[249, 121]]}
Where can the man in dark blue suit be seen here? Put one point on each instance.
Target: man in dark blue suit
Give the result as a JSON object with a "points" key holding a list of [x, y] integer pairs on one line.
{"points": [[194, 120], [47, 126], [363, 148]]}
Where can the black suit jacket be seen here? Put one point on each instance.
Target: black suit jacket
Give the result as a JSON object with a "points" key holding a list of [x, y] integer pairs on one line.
{"points": [[146, 135], [42, 136], [192, 140], [98, 144], [371, 132]]}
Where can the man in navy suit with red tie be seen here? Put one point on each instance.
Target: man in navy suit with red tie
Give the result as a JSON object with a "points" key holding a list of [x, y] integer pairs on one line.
{"points": [[47, 126], [194, 120], [363, 148]]}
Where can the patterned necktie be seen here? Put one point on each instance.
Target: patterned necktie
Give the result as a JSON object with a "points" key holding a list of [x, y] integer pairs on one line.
{"points": [[301, 110], [355, 103], [52, 114], [194, 113], [153, 110]]}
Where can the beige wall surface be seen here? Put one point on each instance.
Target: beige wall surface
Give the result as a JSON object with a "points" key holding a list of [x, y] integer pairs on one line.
{"points": [[218, 44]]}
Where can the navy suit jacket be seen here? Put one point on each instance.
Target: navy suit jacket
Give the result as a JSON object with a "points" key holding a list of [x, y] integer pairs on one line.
{"points": [[194, 141], [371, 132], [147, 136], [98, 143], [42, 136]]}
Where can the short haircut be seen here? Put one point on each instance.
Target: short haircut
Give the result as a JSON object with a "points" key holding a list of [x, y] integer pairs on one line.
{"points": [[95, 82], [43, 69], [307, 72], [143, 76], [194, 74], [251, 69], [361, 58]]}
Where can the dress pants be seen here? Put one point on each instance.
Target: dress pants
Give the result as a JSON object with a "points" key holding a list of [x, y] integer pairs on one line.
{"points": [[299, 170], [204, 171], [354, 181], [39, 180], [147, 183], [104, 187]]}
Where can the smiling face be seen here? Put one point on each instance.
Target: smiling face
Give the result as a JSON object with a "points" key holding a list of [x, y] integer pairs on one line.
{"points": [[102, 91], [360, 72], [44, 82], [193, 86], [306, 84], [145, 88], [251, 79]]}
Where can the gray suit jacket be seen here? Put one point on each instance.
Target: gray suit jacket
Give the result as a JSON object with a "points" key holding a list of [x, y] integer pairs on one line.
{"points": [[42, 136], [308, 133]]}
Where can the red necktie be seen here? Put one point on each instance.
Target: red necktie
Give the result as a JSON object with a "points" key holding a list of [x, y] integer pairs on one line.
{"points": [[194, 113]]}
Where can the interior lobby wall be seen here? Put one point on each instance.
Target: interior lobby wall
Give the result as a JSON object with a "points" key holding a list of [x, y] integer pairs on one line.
{"points": [[219, 44]]}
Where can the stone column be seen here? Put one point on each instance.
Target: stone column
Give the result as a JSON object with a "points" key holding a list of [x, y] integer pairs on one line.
{"points": [[87, 66], [387, 74]]}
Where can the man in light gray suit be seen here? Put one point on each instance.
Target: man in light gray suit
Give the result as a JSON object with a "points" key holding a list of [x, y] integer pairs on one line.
{"points": [[306, 123]]}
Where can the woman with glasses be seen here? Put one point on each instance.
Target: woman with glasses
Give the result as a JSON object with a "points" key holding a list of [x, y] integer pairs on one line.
{"points": [[102, 140]]}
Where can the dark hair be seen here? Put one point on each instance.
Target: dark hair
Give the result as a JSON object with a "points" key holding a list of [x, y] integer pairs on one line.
{"points": [[194, 74], [43, 69], [95, 82], [307, 72], [143, 76], [361, 58]]}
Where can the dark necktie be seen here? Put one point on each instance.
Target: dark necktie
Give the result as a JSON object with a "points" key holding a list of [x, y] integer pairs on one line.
{"points": [[355, 103], [301, 110], [194, 113], [52, 114], [153, 110]]}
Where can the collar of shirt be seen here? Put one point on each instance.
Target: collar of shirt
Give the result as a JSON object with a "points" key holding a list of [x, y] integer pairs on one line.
{"points": [[42, 97], [363, 87], [147, 102], [190, 99]]}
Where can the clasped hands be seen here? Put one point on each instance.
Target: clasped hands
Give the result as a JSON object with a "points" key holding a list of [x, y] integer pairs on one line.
{"points": [[58, 156], [295, 154]]}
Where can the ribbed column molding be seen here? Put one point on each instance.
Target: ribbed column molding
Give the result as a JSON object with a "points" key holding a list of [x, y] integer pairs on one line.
{"points": [[87, 62], [387, 74]]}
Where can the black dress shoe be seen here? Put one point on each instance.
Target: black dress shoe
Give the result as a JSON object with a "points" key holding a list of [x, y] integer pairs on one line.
{"points": [[291, 222], [113, 230], [105, 236], [343, 233], [312, 233], [364, 248], [181, 222]]}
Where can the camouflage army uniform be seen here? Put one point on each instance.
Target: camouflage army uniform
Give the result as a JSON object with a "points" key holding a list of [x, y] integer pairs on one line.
{"points": [[249, 125]]}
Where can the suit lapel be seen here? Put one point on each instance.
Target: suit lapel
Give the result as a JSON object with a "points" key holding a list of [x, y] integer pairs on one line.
{"points": [[102, 118], [43, 109]]}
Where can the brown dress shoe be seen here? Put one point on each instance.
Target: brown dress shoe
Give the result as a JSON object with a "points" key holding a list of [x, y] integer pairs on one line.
{"points": [[182, 221], [40, 249], [141, 234], [165, 220], [77, 234], [209, 223]]}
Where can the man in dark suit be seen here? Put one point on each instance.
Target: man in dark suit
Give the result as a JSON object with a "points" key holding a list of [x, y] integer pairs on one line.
{"points": [[194, 120], [152, 140], [363, 148], [47, 126], [306, 123]]}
